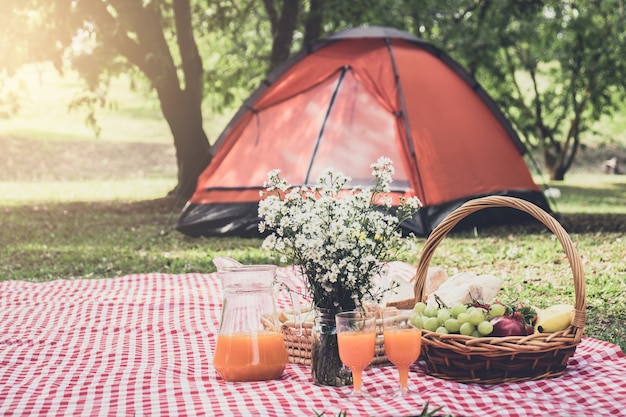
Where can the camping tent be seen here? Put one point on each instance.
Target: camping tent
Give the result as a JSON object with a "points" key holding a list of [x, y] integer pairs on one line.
{"points": [[355, 96]]}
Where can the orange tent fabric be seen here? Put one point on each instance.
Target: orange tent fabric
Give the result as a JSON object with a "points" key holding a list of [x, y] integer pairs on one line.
{"points": [[359, 95]]}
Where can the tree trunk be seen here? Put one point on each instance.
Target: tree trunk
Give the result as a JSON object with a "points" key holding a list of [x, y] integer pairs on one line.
{"points": [[557, 173], [559, 156], [554, 162], [185, 115], [283, 27], [149, 51], [192, 147], [313, 23]]}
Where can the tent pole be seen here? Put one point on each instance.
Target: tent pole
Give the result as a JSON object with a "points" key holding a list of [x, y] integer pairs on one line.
{"points": [[403, 114], [344, 69]]}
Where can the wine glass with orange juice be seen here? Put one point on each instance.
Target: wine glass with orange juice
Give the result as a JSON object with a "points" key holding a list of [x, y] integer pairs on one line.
{"points": [[403, 343], [356, 337]]}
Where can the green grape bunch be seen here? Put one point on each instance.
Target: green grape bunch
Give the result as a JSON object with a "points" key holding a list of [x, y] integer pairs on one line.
{"points": [[472, 319]]}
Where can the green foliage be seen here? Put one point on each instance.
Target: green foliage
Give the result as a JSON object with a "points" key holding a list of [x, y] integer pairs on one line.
{"points": [[234, 39], [553, 66]]}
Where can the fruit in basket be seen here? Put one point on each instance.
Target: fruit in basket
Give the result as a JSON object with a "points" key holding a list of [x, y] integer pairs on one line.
{"points": [[467, 329], [497, 310], [476, 318], [430, 311], [416, 320], [458, 309], [430, 323], [508, 326], [419, 307], [476, 315], [441, 330], [443, 315], [516, 321], [554, 318], [452, 325], [485, 328], [460, 319]]}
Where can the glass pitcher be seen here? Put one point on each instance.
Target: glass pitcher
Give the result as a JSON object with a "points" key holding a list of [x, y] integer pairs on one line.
{"points": [[250, 345]]}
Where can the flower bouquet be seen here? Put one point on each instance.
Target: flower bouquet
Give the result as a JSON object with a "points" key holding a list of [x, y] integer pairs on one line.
{"points": [[340, 240]]}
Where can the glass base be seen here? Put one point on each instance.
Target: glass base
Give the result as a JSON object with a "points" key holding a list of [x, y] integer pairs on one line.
{"points": [[358, 395]]}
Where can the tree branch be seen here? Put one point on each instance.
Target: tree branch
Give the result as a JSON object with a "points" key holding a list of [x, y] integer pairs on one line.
{"points": [[283, 27], [110, 30], [313, 23], [470, 8], [190, 57], [272, 13]]}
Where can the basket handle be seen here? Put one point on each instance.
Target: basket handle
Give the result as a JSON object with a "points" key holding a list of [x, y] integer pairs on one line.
{"points": [[550, 222]]}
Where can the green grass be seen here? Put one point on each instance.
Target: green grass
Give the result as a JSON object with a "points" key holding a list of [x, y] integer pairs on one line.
{"points": [[592, 193], [20, 193], [104, 239]]}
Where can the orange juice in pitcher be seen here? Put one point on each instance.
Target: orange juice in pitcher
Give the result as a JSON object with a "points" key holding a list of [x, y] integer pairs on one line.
{"points": [[250, 346], [246, 357]]}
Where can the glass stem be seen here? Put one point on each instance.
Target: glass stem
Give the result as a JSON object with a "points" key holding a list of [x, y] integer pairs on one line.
{"points": [[357, 380], [403, 372]]}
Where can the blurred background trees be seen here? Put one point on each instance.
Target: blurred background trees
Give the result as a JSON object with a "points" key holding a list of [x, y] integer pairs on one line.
{"points": [[553, 66]]}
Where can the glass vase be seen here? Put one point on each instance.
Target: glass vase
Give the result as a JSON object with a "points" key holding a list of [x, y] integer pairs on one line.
{"points": [[326, 366]]}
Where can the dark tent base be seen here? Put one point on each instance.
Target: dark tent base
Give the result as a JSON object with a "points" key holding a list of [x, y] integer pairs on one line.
{"points": [[241, 219], [219, 219]]}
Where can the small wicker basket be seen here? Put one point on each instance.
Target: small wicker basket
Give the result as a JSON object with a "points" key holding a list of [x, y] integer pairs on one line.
{"points": [[298, 339], [492, 360]]}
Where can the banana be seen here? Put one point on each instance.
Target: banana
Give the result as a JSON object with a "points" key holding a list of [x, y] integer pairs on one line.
{"points": [[554, 318]]}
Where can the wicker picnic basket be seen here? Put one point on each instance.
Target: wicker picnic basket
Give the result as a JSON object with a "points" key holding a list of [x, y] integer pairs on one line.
{"points": [[501, 359]]}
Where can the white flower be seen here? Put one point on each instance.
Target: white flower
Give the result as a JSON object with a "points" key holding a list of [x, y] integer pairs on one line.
{"points": [[339, 238]]}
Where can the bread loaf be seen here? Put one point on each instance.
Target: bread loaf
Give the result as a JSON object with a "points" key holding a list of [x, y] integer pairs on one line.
{"points": [[465, 286]]}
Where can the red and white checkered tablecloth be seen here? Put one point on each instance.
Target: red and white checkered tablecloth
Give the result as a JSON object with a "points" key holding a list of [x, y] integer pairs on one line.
{"points": [[141, 345]]}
